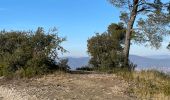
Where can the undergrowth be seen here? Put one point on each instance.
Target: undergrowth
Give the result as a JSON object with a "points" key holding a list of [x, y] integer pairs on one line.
{"points": [[147, 85]]}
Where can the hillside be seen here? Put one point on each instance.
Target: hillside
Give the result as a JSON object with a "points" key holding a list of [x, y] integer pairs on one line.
{"points": [[77, 62], [156, 62]]}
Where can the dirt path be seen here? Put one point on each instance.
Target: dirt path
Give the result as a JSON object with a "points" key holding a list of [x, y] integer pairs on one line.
{"points": [[66, 87], [1, 98]]}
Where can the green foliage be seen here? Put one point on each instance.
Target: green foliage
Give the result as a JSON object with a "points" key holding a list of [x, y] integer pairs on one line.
{"points": [[29, 53], [63, 64], [106, 49], [118, 3], [153, 21], [85, 68]]}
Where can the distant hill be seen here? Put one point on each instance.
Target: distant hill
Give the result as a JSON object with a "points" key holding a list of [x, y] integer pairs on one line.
{"points": [[161, 62], [77, 62], [159, 56]]}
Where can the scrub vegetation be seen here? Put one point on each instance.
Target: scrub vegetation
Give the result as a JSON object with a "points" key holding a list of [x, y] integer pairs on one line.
{"points": [[28, 54]]}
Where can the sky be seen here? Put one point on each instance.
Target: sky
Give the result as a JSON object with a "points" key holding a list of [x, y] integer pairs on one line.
{"points": [[77, 20]]}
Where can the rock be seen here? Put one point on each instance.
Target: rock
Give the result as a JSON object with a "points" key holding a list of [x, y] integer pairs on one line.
{"points": [[1, 77]]}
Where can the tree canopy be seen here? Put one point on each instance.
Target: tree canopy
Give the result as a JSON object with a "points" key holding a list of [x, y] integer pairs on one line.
{"points": [[106, 49], [152, 18]]}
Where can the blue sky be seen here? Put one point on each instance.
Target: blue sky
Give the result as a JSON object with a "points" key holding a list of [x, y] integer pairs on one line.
{"points": [[77, 20]]}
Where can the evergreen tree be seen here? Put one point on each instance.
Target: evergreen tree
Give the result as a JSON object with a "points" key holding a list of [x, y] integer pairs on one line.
{"points": [[153, 21], [106, 49]]}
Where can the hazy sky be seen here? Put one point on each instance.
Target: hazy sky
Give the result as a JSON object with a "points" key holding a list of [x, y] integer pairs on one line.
{"points": [[77, 20]]}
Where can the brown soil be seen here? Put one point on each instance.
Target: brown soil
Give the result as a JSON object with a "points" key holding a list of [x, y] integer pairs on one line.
{"points": [[66, 87]]}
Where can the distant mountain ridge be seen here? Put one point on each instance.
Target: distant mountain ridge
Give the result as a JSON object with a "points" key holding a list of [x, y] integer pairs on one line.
{"points": [[161, 62], [75, 62], [159, 56]]}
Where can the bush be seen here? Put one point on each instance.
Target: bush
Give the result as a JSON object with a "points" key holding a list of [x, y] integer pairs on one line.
{"points": [[85, 68], [30, 53], [106, 49]]}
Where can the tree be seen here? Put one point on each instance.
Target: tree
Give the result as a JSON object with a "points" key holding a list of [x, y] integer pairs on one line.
{"points": [[106, 49], [30, 53], [153, 22]]}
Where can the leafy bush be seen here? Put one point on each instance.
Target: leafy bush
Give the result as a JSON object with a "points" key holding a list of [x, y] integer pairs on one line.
{"points": [[85, 68], [29, 53], [106, 49]]}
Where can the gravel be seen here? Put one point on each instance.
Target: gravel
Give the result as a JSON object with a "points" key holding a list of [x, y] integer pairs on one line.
{"points": [[66, 87]]}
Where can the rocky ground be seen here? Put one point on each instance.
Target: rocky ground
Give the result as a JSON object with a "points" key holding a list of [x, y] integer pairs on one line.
{"points": [[66, 87]]}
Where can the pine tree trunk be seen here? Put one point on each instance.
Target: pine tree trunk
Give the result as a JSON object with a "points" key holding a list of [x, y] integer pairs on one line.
{"points": [[128, 33]]}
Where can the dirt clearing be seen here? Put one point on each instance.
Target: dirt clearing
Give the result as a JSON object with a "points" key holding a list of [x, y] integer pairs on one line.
{"points": [[66, 87]]}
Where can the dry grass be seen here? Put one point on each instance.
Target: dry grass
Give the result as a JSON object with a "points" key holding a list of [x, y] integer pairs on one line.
{"points": [[12, 94], [148, 85], [144, 85]]}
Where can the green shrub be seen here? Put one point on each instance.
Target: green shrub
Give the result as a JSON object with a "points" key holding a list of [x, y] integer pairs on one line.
{"points": [[85, 68], [106, 49], [25, 54]]}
